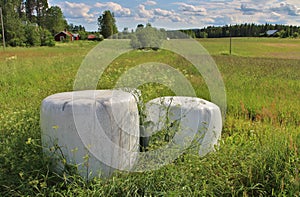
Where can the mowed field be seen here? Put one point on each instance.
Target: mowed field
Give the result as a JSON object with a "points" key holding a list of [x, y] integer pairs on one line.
{"points": [[259, 149]]}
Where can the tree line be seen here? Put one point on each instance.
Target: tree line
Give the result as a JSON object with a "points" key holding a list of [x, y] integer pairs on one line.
{"points": [[244, 30], [34, 23], [31, 22]]}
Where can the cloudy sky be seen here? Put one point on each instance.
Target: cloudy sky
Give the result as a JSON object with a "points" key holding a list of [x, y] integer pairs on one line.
{"points": [[181, 13]]}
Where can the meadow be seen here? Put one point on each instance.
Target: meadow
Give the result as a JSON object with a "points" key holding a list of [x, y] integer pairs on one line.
{"points": [[259, 149]]}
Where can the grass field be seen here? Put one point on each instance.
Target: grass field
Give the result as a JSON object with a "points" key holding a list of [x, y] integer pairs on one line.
{"points": [[259, 149]]}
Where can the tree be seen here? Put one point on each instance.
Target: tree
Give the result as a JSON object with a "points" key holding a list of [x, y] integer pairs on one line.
{"points": [[75, 28], [41, 12], [55, 20], [26, 25], [14, 29], [29, 8], [295, 35], [32, 35], [140, 26], [107, 24], [147, 38], [46, 38]]}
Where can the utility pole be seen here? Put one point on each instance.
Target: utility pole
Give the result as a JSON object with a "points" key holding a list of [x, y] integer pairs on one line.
{"points": [[3, 36], [230, 45]]}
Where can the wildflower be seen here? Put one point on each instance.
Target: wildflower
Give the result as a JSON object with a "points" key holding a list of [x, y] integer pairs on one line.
{"points": [[29, 141]]}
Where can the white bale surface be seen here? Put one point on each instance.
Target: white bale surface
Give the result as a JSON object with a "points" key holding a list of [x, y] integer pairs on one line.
{"points": [[97, 130], [197, 118]]}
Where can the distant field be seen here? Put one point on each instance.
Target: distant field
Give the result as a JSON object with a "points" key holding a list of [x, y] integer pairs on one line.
{"points": [[255, 47], [259, 150]]}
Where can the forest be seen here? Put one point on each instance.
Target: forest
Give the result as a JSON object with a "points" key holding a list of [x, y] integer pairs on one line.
{"points": [[31, 22], [244, 30]]}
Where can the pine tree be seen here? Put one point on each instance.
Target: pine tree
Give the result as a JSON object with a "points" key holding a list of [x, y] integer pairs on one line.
{"points": [[55, 20], [41, 12], [107, 24], [14, 29], [29, 8]]}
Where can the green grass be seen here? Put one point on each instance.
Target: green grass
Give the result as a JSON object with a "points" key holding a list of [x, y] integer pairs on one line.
{"points": [[259, 150], [255, 47]]}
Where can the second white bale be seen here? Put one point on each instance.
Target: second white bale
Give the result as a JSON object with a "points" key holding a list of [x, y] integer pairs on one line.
{"points": [[195, 118]]}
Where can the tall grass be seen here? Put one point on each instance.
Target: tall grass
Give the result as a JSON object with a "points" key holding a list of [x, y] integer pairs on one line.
{"points": [[259, 150]]}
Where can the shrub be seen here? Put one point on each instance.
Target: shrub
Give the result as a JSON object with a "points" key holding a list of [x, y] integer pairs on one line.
{"points": [[46, 38], [32, 34], [295, 35], [15, 42], [147, 38]]}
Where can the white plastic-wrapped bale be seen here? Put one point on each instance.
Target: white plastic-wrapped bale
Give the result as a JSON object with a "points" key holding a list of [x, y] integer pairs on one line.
{"points": [[96, 130], [195, 119]]}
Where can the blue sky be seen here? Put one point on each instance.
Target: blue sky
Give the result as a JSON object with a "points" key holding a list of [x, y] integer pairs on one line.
{"points": [[181, 13]]}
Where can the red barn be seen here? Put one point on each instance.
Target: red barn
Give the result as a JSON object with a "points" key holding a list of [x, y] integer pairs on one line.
{"points": [[64, 35], [92, 37]]}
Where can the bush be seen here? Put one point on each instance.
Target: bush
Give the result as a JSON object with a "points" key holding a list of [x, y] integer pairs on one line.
{"points": [[46, 38], [83, 35], [147, 38], [32, 35], [15, 42], [100, 37], [295, 35]]}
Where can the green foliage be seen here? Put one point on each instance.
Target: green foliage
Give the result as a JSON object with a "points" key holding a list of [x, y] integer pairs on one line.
{"points": [[26, 29], [29, 8], [41, 12], [83, 35], [14, 42], [55, 20], [241, 30], [295, 35], [32, 34], [107, 24], [282, 34], [36, 11], [46, 38], [203, 35], [259, 149], [76, 28], [147, 38], [14, 28]]}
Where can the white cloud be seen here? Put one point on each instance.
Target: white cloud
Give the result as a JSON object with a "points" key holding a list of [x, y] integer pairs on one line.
{"points": [[117, 9], [286, 9], [161, 12], [77, 10], [202, 12], [222, 20], [275, 14], [187, 13], [143, 13], [150, 3], [188, 9], [167, 15], [246, 10], [157, 14]]}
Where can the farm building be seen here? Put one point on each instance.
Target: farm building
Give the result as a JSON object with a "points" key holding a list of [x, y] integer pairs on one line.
{"points": [[92, 37], [65, 35], [76, 36], [271, 32]]}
